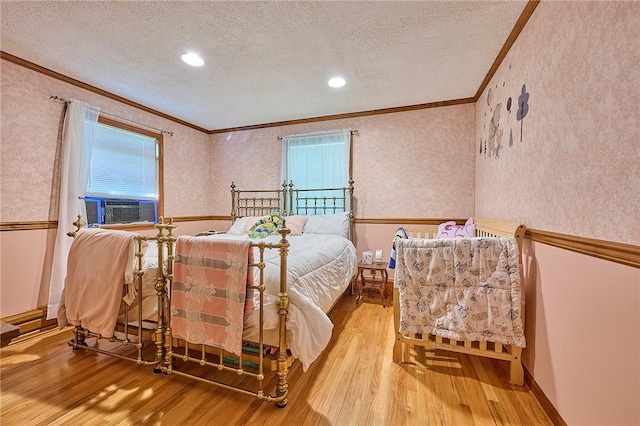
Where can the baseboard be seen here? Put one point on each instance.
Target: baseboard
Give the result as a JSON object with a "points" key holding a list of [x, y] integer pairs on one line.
{"points": [[547, 406], [30, 322]]}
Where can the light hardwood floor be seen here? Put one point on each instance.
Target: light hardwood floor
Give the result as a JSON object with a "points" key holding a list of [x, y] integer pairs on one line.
{"points": [[354, 382]]}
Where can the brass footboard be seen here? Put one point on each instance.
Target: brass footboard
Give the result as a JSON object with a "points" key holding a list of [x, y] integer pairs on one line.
{"points": [[197, 361], [136, 332]]}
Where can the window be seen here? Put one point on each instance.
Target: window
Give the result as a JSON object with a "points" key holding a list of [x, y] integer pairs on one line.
{"points": [[124, 183], [317, 160]]}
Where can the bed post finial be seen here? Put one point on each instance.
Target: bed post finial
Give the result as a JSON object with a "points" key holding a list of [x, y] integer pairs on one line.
{"points": [[79, 223], [291, 199], [283, 204]]}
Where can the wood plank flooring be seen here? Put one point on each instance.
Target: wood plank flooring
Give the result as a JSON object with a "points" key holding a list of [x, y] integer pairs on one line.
{"points": [[354, 382]]}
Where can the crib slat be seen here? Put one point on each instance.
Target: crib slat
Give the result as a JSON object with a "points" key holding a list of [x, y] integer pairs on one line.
{"points": [[498, 347], [483, 345]]}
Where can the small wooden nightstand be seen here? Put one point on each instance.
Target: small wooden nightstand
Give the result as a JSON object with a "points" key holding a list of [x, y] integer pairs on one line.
{"points": [[374, 283]]}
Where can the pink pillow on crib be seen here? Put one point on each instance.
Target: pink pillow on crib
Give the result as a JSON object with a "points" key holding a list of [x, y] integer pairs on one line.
{"points": [[451, 230]]}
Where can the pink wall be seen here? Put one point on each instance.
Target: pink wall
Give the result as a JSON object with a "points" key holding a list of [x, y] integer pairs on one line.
{"points": [[25, 257], [29, 147], [409, 164], [30, 140], [577, 168], [583, 335], [576, 171]]}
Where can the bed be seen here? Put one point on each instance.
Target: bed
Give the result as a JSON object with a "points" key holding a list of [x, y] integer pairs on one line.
{"points": [[114, 291], [296, 274], [292, 279], [461, 294]]}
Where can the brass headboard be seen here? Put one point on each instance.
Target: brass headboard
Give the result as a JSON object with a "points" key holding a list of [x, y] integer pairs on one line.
{"points": [[258, 202], [289, 201], [320, 201]]}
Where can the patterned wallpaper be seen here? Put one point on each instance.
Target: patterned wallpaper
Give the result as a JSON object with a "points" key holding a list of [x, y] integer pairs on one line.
{"points": [[31, 126], [408, 164], [572, 163]]}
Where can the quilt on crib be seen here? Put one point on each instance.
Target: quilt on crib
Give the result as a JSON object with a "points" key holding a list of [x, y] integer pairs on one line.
{"points": [[463, 289]]}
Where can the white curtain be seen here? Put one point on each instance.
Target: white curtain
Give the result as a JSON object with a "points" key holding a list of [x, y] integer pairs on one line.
{"points": [[79, 122], [317, 160]]}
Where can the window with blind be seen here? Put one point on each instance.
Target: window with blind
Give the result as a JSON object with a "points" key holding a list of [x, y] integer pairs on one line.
{"points": [[123, 183]]}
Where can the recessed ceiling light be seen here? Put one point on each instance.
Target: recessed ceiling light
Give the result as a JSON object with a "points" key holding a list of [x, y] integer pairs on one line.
{"points": [[337, 82], [193, 59]]}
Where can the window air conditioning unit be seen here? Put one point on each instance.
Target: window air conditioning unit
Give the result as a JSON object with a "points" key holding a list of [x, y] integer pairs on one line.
{"points": [[102, 211], [121, 211], [125, 211]]}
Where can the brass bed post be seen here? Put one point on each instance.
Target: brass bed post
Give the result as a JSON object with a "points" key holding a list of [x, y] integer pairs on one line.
{"points": [[139, 274], [233, 202], [161, 291], [351, 215], [78, 332], [286, 206], [283, 307], [163, 288]]}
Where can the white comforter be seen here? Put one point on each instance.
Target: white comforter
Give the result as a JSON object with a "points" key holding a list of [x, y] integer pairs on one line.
{"points": [[319, 269]]}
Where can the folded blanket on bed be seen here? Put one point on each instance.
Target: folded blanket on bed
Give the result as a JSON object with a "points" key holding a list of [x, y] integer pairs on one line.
{"points": [[463, 289], [100, 263], [209, 291], [400, 233]]}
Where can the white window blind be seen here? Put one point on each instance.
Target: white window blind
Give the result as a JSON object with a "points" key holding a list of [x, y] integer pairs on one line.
{"points": [[124, 164]]}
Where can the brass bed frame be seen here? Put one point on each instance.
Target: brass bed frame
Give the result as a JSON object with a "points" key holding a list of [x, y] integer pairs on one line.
{"points": [[171, 353], [510, 353], [287, 201], [248, 364]]}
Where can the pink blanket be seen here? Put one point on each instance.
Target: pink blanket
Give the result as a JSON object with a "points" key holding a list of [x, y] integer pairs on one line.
{"points": [[100, 263], [209, 291]]}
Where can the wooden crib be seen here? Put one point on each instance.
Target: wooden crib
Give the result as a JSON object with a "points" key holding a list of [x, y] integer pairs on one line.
{"points": [[510, 353]]}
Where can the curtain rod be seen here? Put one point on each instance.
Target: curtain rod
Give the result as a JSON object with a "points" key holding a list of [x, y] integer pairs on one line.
{"points": [[353, 132], [164, 132]]}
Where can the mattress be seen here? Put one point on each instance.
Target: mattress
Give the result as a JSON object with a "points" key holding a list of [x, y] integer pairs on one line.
{"points": [[149, 277]]}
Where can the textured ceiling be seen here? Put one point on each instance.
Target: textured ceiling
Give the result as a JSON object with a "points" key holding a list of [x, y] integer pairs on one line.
{"points": [[264, 61]]}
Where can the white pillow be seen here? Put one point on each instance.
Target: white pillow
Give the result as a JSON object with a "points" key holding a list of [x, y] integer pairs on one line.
{"points": [[329, 224], [238, 227]]}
